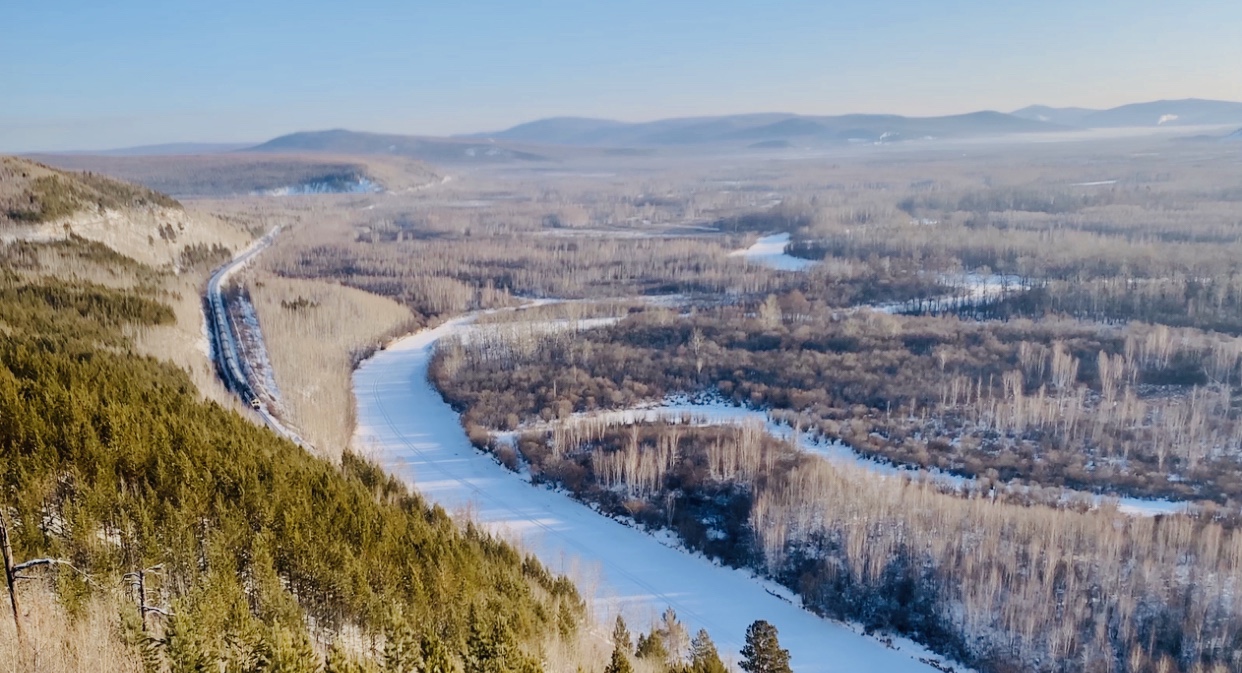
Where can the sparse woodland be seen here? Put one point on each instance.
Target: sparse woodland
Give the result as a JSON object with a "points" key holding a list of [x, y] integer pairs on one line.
{"points": [[156, 530], [1109, 366]]}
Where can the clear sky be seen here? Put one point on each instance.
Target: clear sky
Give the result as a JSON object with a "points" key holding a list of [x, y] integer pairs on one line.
{"points": [[79, 74]]}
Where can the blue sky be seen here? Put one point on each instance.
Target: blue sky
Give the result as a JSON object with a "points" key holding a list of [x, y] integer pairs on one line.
{"points": [[90, 75]]}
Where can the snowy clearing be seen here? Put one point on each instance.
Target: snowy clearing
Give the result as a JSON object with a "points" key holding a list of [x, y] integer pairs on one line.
{"points": [[968, 289], [769, 251], [414, 434]]}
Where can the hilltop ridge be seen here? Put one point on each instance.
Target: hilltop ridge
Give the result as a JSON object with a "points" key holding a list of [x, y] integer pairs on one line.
{"points": [[41, 203]]}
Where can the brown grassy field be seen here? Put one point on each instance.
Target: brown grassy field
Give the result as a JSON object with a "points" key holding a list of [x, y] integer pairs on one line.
{"points": [[316, 333]]}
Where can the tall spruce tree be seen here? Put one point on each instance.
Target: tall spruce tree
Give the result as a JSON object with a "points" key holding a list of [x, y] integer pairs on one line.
{"points": [[436, 656], [620, 662], [703, 655], [762, 652], [651, 648], [402, 653], [621, 636]]}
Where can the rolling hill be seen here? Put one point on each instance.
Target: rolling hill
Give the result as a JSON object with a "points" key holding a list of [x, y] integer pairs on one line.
{"points": [[356, 143], [1186, 112], [751, 128], [251, 554]]}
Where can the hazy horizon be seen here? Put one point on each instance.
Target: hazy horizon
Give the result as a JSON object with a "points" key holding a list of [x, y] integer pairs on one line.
{"points": [[82, 76]]}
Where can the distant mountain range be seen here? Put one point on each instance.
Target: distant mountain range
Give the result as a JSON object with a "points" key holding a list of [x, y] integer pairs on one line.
{"points": [[785, 130], [340, 141], [561, 137], [763, 129], [1188, 112]]}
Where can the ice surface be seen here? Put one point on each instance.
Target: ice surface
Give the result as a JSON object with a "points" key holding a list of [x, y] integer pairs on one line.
{"points": [[358, 186], [770, 252], [406, 425]]}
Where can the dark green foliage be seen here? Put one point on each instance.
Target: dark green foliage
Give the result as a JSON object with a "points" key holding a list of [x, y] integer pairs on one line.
{"points": [[254, 534], [339, 661], [436, 656], [491, 646], [762, 652], [402, 651], [651, 647], [285, 651], [201, 254], [703, 655], [51, 197], [620, 662]]}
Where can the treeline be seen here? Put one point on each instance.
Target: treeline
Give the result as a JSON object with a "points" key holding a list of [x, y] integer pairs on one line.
{"points": [[1143, 411], [112, 463], [462, 273], [1001, 587], [1208, 303]]}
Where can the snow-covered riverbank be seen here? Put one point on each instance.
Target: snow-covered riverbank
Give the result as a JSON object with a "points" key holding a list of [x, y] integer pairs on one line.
{"points": [[414, 434], [681, 409], [770, 252]]}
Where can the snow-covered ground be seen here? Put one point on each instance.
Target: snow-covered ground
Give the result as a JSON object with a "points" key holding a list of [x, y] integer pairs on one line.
{"points": [[259, 371], [226, 332], [357, 186], [408, 427], [968, 289], [770, 252]]}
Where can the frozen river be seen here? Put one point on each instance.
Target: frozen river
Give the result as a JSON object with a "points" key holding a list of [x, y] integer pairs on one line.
{"points": [[405, 425]]}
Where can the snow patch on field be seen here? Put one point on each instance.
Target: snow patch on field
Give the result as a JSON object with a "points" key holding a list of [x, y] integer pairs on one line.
{"points": [[417, 436], [769, 251], [968, 289], [358, 186]]}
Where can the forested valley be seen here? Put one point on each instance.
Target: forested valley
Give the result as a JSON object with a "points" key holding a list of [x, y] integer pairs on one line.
{"points": [[1025, 351]]}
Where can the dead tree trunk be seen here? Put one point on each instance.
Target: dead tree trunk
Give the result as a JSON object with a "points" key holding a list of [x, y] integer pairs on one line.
{"points": [[10, 577], [138, 579]]}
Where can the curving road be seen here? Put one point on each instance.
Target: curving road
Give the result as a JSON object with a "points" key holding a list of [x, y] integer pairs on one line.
{"points": [[225, 351]]}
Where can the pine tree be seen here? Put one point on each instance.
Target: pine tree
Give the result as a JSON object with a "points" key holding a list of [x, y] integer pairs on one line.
{"points": [[338, 661], [184, 648], [402, 653], [436, 657], [488, 647], [762, 652], [285, 651], [703, 655], [620, 663], [651, 648], [621, 636]]}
